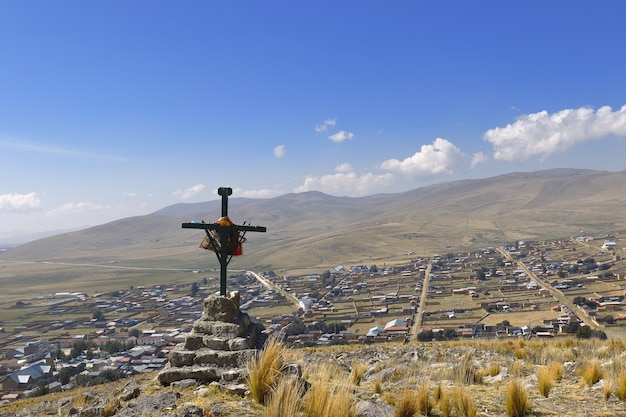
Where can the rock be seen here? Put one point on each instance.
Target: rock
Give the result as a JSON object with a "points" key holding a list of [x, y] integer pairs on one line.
{"points": [[219, 346], [374, 409], [193, 411], [130, 393], [184, 383], [237, 389]]}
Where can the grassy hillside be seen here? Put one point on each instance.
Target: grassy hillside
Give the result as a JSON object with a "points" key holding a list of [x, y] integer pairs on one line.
{"points": [[314, 230]]}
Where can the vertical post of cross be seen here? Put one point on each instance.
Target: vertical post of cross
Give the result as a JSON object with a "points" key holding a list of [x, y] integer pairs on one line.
{"points": [[224, 192], [223, 258]]}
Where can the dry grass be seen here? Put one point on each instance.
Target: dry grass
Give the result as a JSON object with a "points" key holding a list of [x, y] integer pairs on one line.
{"points": [[463, 403], [544, 381], [494, 368], [444, 403], [591, 372], [264, 370], [285, 399], [620, 387], [357, 372], [464, 372], [328, 394], [516, 401], [424, 401], [556, 371], [408, 404]]}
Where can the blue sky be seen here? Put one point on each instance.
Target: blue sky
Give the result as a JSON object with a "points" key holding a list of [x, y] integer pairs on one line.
{"points": [[119, 108]]}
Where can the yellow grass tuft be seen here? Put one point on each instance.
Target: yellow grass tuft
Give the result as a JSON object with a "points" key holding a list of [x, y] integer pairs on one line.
{"points": [[544, 381], [444, 403], [424, 402], [264, 370], [620, 387], [516, 401], [407, 406], [357, 372], [591, 372], [463, 403], [606, 391], [285, 399], [464, 372], [556, 371], [494, 369], [378, 386]]}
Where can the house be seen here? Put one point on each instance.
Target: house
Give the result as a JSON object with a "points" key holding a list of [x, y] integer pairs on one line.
{"points": [[609, 245], [27, 377], [375, 331]]}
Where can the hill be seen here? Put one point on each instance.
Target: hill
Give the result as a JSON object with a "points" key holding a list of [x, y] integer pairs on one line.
{"points": [[312, 229]]}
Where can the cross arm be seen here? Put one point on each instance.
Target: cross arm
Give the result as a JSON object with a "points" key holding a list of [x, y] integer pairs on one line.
{"points": [[212, 226]]}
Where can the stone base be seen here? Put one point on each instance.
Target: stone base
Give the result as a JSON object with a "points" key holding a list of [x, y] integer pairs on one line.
{"points": [[219, 346]]}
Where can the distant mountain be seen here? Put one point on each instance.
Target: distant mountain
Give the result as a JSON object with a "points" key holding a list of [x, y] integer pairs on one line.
{"points": [[311, 229]]}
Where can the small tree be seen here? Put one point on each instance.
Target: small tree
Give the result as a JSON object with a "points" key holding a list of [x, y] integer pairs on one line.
{"points": [[194, 289]]}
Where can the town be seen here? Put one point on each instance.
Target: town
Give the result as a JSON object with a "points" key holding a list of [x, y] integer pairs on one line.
{"points": [[560, 288]]}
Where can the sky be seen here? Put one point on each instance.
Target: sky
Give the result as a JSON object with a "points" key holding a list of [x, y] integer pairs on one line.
{"points": [[120, 108]]}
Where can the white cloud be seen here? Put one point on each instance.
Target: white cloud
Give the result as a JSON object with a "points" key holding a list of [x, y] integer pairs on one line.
{"points": [[346, 182], [279, 151], [345, 167], [129, 194], [479, 158], [19, 202], [261, 193], [323, 127], [544, 134], [75, 208], [341, 136], [189, 192], [439, 158]]}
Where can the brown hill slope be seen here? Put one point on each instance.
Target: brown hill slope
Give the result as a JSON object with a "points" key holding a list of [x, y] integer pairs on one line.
{"points": [[313, 229]]}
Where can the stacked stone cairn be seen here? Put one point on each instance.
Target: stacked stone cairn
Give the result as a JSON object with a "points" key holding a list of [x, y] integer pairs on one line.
{"points": [[218, 348]]}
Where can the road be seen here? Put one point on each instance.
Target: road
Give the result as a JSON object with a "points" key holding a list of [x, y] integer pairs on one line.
{"points": [[271, 286], [422, 304]]}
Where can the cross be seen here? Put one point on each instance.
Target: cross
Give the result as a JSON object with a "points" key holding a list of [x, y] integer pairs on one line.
{"points": [[231, 236]]}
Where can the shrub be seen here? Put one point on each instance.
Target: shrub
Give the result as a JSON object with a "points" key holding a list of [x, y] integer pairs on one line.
{"points": [[516, 399]]}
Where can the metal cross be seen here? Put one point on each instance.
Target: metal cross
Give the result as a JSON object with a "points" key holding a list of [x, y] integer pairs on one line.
{"points": [[232, 231]]}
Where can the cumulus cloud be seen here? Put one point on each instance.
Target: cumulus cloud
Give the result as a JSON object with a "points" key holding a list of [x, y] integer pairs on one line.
{"points": [[439, 158], [346, 182], [75, 208], [341, 136], [19, 202], [323, 127], [479, 158], [544, 134], [189, 192], [129, 194], [260, 193], [279, 151]]}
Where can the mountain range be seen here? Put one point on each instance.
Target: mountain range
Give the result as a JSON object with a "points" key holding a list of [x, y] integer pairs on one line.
{"points": [[312, 229]]}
